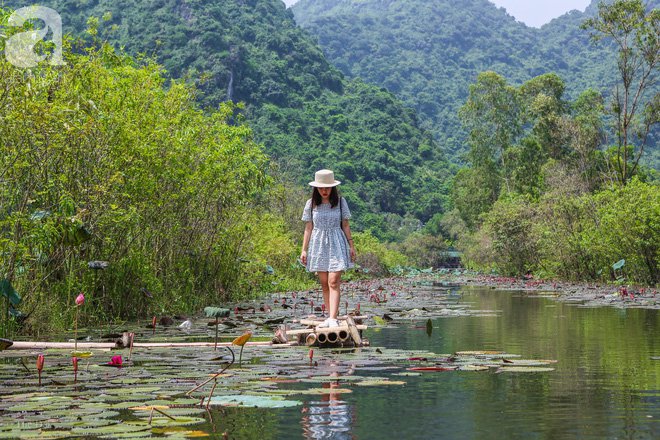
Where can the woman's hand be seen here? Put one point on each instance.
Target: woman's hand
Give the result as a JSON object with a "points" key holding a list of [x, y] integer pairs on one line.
{"points": [[352, 252], [303, 258]]}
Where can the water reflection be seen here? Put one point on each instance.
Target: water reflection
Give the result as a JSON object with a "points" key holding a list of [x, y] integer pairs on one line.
{"points": [[606, 383], [330, 417]]}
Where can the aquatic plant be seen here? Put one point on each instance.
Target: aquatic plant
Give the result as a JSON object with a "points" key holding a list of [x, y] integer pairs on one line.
{"points": [[241, 341], [80, 300], [217, 312], [116, 361], [40, 365], [75, 369]]}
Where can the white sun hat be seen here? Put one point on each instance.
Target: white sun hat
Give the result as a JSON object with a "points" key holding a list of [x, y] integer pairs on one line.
{"points": [[324, 179]]}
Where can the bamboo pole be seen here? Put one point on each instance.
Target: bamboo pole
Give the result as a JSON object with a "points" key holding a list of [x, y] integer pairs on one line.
{"points": [[36, 345], [206, 344]]}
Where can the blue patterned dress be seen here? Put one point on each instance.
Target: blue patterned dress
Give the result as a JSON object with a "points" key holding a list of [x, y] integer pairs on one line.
{"points": [[328, 249]]}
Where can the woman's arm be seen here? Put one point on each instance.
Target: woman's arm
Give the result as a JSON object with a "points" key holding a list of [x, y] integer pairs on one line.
{"points": [[306, 236], [346, 227]]}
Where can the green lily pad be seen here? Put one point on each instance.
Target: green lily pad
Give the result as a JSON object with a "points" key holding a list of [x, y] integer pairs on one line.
{"points": [[377, 383], [125, 404], [131, 390], [117, 428], [216, 312], [45, 403], [161, 420], [179, 432], [133, 434], [174, 412], [474, 368], [34, 433], [525, 369], [312, 391], [527, 363], [254, 401]]}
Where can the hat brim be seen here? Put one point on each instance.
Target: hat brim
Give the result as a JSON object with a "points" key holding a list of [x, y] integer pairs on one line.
{"points": [[324, 185]]}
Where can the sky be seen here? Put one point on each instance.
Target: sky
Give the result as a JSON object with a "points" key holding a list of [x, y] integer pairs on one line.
{"points": [[534, 13]]}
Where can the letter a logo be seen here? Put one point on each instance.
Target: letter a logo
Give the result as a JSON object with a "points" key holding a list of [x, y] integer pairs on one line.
{"points": [[19, 48]]}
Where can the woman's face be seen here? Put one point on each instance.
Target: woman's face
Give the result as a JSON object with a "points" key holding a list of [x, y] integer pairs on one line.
{"points": [[325, 192]]}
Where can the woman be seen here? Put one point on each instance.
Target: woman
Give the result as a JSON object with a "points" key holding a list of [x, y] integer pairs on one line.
{"points": [[327, 247]]}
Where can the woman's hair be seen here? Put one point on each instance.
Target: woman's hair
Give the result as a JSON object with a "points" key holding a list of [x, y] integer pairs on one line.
{"points": [[317, 199]]}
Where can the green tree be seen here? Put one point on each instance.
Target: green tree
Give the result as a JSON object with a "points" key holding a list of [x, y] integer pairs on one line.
{"points": [[492, 117], [103, 159], [635, 32]]}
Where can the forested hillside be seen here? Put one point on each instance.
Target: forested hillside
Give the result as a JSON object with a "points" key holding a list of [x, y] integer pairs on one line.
{"points": [[428, 51], [300, 107]]}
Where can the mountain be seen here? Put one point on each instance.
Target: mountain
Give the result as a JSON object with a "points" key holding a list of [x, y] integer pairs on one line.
{"points": [[307, 115], [428, 52]]}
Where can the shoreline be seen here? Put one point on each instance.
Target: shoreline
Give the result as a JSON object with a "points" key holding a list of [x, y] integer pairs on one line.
{"points": [[585, 294]]}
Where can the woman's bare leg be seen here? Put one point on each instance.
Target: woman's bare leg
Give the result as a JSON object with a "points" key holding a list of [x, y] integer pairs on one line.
{"points": [[323, 278], [334, 283]]}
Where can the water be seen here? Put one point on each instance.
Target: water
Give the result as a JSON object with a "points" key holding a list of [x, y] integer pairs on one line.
{"points": [[605, 384]]}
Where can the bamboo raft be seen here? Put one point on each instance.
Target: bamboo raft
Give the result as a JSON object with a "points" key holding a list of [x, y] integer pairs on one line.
{"points": [[347, 334]]}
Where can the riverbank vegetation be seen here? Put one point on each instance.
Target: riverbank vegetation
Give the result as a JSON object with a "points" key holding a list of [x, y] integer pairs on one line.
{"points": [[547, 191], [104, 163], [117, 184]]}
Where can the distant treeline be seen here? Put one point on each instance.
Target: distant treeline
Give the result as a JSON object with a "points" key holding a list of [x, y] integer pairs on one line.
{"points": [[547, 191]]}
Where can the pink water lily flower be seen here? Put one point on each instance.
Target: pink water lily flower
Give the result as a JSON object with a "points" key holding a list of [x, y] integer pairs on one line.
{"points": [[116, 361], [80, 300]]}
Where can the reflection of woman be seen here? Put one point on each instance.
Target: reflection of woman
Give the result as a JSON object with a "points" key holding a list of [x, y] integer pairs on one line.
{"points": [[328, 418], [327, 247]]}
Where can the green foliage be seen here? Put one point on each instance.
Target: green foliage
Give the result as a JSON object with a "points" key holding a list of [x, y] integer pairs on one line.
{"points": [[506, 239], [103, 159], [427, 52], [388, 164], [635, 105], [299, 106], [573, 236], [423, 250], [629, 223], [374, 257]]}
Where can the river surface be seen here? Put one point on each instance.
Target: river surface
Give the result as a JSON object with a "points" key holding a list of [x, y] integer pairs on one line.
{"points": [[606, 382]]}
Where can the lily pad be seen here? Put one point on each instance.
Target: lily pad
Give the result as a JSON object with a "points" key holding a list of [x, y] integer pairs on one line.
{"points": [[312, 391], [179, 432], [254, 401], [118, 428], [131, 390], [161, 420], [216, 312], [525, 369], [82, 354], [377, 383], [474, 368]]}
